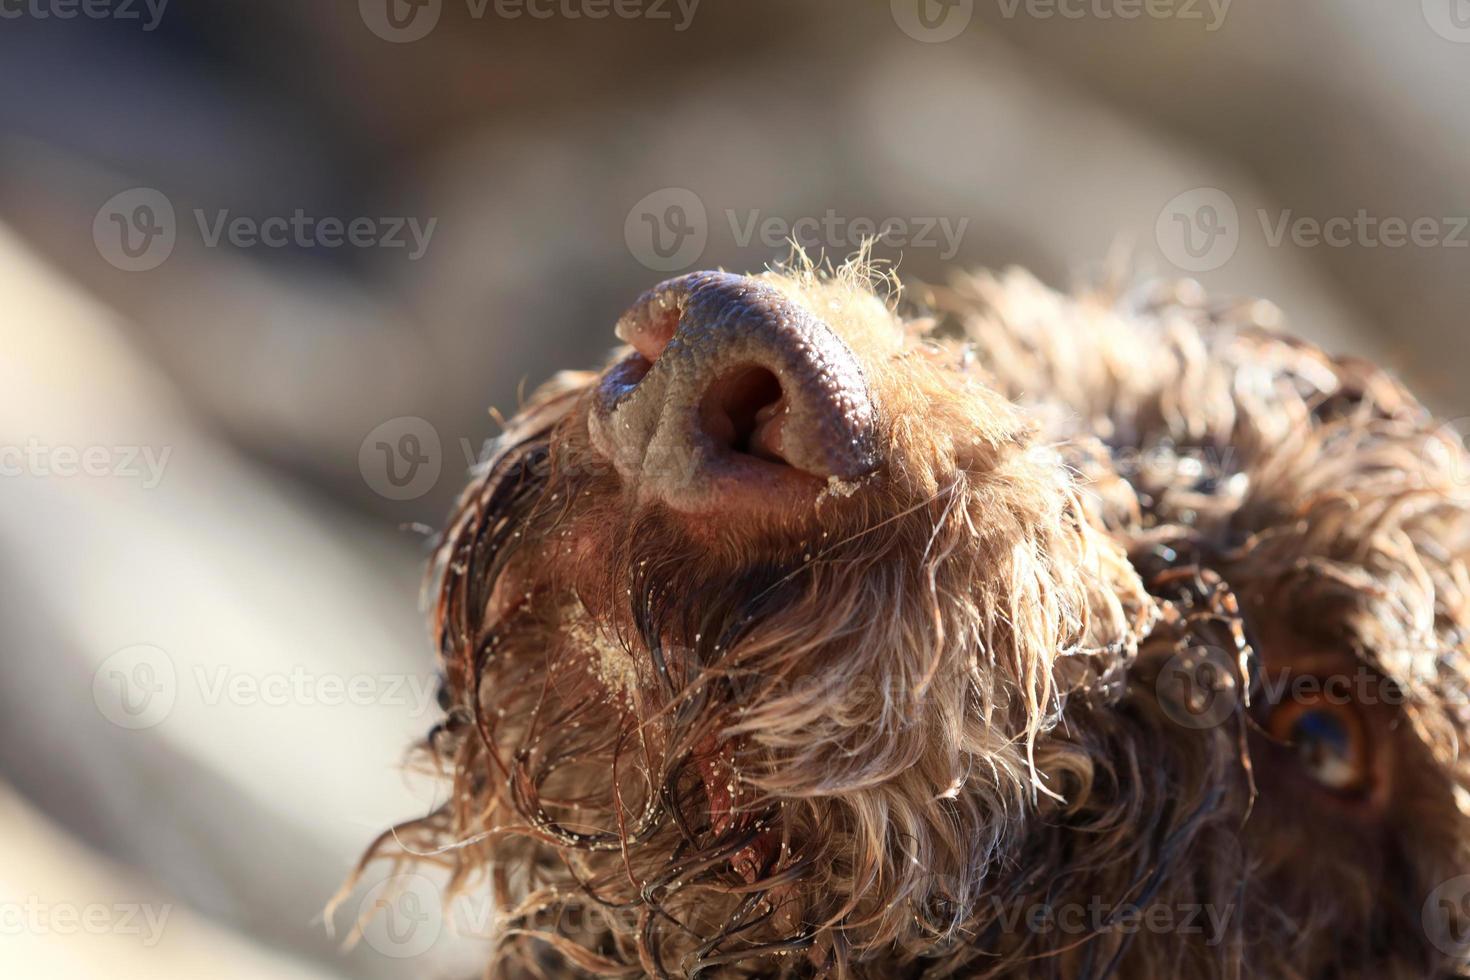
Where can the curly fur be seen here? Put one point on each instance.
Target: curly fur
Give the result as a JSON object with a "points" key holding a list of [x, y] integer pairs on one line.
{"points": [[930, 729]]}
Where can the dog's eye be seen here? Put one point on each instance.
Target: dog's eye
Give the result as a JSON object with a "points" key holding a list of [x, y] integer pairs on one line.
{"points": [[1329, 742]]}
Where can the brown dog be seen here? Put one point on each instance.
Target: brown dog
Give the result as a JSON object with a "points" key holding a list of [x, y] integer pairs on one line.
{"points": [[1037, 637]]}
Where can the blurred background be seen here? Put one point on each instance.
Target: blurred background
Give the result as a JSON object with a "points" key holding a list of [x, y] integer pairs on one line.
{"points": [[266, 265]]}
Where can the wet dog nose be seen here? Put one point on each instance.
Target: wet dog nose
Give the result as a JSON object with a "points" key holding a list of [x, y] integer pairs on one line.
{"points": [[733, 392]]}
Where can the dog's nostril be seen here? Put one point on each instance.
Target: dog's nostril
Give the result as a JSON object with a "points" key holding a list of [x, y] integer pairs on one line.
{"points": [[648, 330], [744, 410], [728, 376]]}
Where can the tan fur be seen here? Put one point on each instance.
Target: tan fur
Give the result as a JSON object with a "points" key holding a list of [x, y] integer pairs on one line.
{"points": [[857, 742]]}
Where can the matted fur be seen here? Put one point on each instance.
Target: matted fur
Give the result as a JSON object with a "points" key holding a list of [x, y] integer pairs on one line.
{"points": [[872, 740]]}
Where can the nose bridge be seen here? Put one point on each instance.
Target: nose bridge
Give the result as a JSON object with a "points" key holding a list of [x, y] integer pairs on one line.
{"points": [[737, 319], [703, 310], [696, 332]]}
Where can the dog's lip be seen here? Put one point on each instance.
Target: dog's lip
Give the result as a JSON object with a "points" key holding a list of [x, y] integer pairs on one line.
{"points": [[748, 483]]}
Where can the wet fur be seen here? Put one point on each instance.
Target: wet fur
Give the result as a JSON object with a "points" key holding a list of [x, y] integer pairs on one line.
{"points": [[866, 742]]}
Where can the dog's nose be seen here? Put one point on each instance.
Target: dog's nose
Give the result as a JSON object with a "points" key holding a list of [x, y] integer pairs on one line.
{"points": [[733, 391]]}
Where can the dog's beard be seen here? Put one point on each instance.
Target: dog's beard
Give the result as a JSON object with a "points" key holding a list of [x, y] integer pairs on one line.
{"points": [[704, 750], [682, 765]]}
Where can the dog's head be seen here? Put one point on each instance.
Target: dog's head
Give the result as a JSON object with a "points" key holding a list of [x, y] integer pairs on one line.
{"points": [[792, 642]]}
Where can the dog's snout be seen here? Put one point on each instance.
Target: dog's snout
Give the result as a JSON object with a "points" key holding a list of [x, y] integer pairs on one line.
{"points": [[733, 391]]}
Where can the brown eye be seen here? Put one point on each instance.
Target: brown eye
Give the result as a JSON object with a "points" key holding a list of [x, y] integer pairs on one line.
{"points": [[1329, 740]]}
